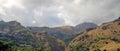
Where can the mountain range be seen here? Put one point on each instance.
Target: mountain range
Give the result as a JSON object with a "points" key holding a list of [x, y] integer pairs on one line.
{"points": [[64, 32], [40, 38], [83, 37]]}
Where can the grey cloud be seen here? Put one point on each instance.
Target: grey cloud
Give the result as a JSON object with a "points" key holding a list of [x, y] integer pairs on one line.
{"points": [[32, 4], [93, 11], [19, 15], [51, 20], [97, 11], [25, 17], [0, 19]]}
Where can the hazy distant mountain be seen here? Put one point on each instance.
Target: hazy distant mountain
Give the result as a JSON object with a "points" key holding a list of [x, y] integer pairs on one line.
{"points": [[105, 37], [84, 26]]}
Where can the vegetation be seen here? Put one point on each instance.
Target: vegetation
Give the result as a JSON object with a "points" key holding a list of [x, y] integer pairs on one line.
{"points": [[27, 49], [103, 38], [4, 46], [19, 38], [79, 48], [14, 37]]}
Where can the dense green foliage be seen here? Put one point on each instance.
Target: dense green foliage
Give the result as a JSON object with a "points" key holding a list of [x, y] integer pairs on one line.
{"points": [[78, 48], [4, 46]]}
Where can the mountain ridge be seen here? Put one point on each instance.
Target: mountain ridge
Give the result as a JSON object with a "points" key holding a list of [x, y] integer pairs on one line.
{"points": [[64, 32], [102, 38], [20, 37], [32, 37]]}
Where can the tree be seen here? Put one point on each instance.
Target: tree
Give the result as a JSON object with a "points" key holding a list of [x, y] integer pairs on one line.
{"points": [[4, 46]]}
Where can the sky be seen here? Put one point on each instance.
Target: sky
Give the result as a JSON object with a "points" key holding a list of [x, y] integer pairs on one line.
{"points": [[53, 13]]}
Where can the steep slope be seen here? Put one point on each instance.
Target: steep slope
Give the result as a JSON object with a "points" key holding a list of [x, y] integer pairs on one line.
{"points": [[102, 38], [20, 37]]}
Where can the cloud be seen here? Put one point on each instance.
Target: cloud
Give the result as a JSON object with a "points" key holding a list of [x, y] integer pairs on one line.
{"points": [[35, 15], [59, 12], [37, 3], [97, 11]]}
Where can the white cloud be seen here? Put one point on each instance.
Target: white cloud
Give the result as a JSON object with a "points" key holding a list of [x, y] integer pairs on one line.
{"points": [[33, 21], [76, 1], [11, 3], [61, 7]]}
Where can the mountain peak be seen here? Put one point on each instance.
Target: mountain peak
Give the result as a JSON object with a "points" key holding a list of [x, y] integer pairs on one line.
{"points": [[85, 25], [15, 23], [117, 19]]}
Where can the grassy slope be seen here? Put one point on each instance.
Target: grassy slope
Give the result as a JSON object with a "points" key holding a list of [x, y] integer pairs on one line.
{"points": [[104, 37]]}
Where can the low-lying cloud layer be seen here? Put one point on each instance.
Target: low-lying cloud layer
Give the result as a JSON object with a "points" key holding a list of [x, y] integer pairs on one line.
{"points": [[59, 12]]}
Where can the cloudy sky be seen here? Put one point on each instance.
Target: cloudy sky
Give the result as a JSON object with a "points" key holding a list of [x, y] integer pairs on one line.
{"points": [[54, 13]]}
